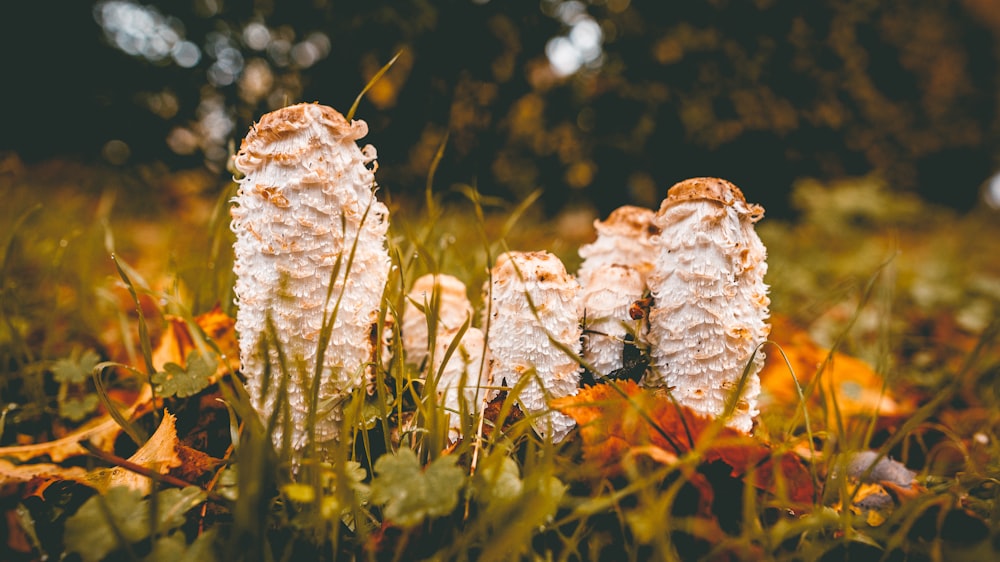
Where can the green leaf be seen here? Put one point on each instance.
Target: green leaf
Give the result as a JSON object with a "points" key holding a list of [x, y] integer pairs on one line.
{"points": [[182, 382], [75, 369], [94, 530], [174, 547], [498, 482], [410, 494], [76, 409]]}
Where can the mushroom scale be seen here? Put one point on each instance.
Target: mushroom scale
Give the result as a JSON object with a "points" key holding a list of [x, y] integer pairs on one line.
{"points": [[465, 375], [453, 310], [624, 238]]}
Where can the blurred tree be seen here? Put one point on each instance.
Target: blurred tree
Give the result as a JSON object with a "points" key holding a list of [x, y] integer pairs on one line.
{"points": [[608, 101]]}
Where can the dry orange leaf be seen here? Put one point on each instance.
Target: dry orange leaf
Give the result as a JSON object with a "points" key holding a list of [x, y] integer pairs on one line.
{"points": [[158, 454], [101, 432], [858, 388], [10, 472], [619, 420], [177, 341]]}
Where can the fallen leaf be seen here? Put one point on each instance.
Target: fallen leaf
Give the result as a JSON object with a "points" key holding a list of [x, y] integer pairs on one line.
{"points": [[159, 454], [101, 432], [10, 472], [177, 343], [858, 389], [619, 420]]}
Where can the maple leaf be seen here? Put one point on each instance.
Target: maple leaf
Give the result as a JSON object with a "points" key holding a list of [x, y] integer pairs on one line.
{"points": [[620, 420], [188, 380], [411, 494], [93, 531]]}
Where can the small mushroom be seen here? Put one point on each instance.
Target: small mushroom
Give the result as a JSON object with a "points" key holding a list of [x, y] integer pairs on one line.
{"points": [[463, 380], [624, 238], [710, 303], [607, 297], [531, 299], [465, 376], [445, 296], [305, 210]]}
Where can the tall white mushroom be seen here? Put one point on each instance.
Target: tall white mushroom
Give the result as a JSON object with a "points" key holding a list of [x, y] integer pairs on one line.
{"points": [[518, 341], [710, 303], [306, 203]]}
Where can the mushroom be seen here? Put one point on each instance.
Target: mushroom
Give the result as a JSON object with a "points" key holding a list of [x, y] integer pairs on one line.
{"points": [[532, 303], [463, 377], [305, 216], [607, 296], [444, 295], [624, 238], [710, 304], [462, 381]]}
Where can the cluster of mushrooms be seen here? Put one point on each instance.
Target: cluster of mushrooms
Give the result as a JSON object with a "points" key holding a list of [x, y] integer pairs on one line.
{"points": [[312, 263]]}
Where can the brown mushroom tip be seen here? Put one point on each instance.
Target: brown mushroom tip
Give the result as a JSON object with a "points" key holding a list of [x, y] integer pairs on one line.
{"points": [[287, 121], [711, 189], [629, 219]]}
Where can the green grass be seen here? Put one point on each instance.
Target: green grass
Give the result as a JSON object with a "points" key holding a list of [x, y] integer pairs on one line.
{"points": [[910, 288]]}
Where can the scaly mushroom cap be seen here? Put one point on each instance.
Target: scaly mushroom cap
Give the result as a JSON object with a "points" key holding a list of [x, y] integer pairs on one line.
{"points": [[711, 189], [453, 310], [624, 238], [306, 201], [519, 336], [710, 302]]}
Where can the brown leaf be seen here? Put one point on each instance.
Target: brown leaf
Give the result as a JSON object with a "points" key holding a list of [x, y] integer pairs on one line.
{"points": [[43, 473], [857, 387], [177, 342], [101, 431], [159, 454], [619, 420]]}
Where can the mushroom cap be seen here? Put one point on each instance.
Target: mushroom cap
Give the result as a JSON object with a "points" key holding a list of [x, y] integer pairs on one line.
{"points": [[450, 287], [265, 139], [540, 267], [711, 189], [628, 220], [453, 309]]}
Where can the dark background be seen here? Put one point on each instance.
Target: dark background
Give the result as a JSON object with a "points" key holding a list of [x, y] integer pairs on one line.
{"points": [[760, 93]]}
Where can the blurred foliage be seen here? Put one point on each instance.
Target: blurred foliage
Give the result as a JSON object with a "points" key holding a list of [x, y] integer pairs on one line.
{"points": [[761, 93]]}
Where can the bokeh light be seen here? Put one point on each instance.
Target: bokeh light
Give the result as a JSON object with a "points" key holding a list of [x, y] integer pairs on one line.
{"points": [[581, 46], [142, 31]]}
